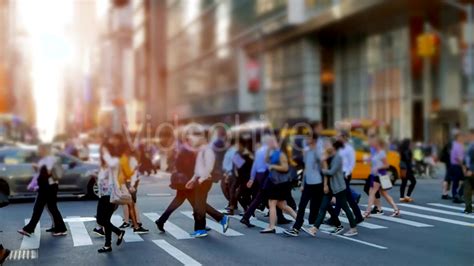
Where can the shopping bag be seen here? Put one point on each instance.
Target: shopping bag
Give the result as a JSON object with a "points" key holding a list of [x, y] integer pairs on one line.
{"points": [[385, 182]]}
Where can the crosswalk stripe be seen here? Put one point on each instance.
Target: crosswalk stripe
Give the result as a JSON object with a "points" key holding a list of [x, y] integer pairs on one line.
{"points": [[130, 236], [258, 223], [32, 242], [80, 236], [447, 206], [170, 228], [436, 210], [400, 221], [176, 253], [214, 226], [430, 217], [363, 224], [355, 240]]}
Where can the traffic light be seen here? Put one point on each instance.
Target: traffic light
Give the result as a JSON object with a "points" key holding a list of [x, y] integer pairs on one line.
{"points": [[426, 44]]}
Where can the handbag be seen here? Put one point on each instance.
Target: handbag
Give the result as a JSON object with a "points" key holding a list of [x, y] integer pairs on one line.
{"points": [[385, 182], [119, 194], [277, 177], [178, 181]]}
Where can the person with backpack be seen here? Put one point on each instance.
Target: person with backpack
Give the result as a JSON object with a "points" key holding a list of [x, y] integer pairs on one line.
{"points": [[50, 172], [201, 182], [109, 162]]}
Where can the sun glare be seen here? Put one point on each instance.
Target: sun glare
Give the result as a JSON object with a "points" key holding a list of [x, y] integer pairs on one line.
{"points": [[46, 23]]}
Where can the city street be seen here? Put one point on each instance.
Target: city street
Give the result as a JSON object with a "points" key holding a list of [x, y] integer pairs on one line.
{"points": [[429, 232]]}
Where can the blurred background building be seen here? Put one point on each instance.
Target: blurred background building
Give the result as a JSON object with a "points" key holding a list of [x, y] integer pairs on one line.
{"points": [[319, 60]]}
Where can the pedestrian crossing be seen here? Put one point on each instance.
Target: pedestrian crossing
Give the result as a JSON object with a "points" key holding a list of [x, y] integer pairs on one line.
{"points": [[412, 215]]}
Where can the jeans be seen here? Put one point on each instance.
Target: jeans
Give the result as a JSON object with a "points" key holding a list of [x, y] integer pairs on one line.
{"points": [[341, 200], [239, 193], [105, 210], [259, 185], [409, 176], [351, 201], [457, 175], [314, 195], [201, 207], [181, 196], [47, 196]]}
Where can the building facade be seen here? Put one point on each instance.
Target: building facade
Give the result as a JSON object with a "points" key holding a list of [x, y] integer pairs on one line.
{"points": [[323, 60]]}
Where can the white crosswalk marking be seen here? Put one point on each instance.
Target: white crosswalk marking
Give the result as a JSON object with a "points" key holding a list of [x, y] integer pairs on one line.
{"points": [[214, 226], [436, 210], [176, 253], [260, 224], [356, 240], [430, 217], [32, 242], [400, 221], [363, 224], [447, 206], [80, 236], [130, 236], [170, 228]]}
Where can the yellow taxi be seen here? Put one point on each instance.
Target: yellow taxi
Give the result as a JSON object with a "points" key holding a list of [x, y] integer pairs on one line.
{"points": [[362, 167]]}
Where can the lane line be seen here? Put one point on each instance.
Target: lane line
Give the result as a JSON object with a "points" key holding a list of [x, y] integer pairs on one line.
{"points": [[214, 225], [80, 236], [401, 221], [176, 253], [363, 224], [170, 228], [32, 242], [130, 236], [436, 210], [447, 206], [430, 217], [258, 223]]}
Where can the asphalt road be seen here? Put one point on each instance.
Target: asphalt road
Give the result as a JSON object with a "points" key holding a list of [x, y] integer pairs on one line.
{"points": [[430, 232]]}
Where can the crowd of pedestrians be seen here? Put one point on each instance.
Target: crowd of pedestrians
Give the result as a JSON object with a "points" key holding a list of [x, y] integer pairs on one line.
{"points": [[260, 176]]}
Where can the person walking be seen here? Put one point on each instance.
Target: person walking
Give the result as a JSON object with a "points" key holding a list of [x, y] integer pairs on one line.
{"points": [[257, 181], [279, 186], [202, 184], [456, 169], [312, 188], [47, 194], [469, 177], [379, 167], [406, 167], [108, 174], [334, 186], [230, 179], [347, 154], [242, 164]]}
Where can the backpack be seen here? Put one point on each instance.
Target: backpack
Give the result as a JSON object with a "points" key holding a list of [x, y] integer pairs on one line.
{"points": [[57, 172]]}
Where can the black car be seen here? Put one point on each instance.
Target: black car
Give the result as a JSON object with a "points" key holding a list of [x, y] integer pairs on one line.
{"points": [[16, 170]]}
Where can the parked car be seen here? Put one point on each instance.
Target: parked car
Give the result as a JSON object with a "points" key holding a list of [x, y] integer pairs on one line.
{"points": [[16, 170]]}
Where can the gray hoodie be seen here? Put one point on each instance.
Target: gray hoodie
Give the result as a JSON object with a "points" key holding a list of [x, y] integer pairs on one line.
{"points": [[336, 175]]}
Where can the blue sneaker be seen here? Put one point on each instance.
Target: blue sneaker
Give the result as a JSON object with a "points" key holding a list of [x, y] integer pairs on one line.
{"points": [[225, 223], [199, 234]]}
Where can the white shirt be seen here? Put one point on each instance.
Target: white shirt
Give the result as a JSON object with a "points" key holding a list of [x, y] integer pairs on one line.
{"points": [[204, 163], [348, 158]]}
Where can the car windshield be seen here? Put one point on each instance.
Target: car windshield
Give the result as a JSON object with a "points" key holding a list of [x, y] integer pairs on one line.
{"points": [[17, 156], [360, 144]]}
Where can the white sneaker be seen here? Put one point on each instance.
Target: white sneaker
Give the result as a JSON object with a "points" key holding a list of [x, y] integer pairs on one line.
{"points": [[327, 228], [351, 233], [308, 230]]}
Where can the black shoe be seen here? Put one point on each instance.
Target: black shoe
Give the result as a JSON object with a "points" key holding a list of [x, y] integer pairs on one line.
{"points": [[160, 226], [24, 232], [140, 230], [4, 253], [358, 221], [291, 232], [445, 197], [124, 225], [247, 223], [120, 237], [457, 200], [375, 210], [208, 229], [105, 250], [266, 231], [467, 212], [50, 230], [99, 232]]}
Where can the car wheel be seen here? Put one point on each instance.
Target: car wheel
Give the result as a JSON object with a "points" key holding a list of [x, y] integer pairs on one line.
{"points": [[392, 172], [93, 188]]}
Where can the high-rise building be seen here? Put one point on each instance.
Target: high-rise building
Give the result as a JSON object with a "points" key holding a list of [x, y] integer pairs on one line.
{"points": [[318, 60]]}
